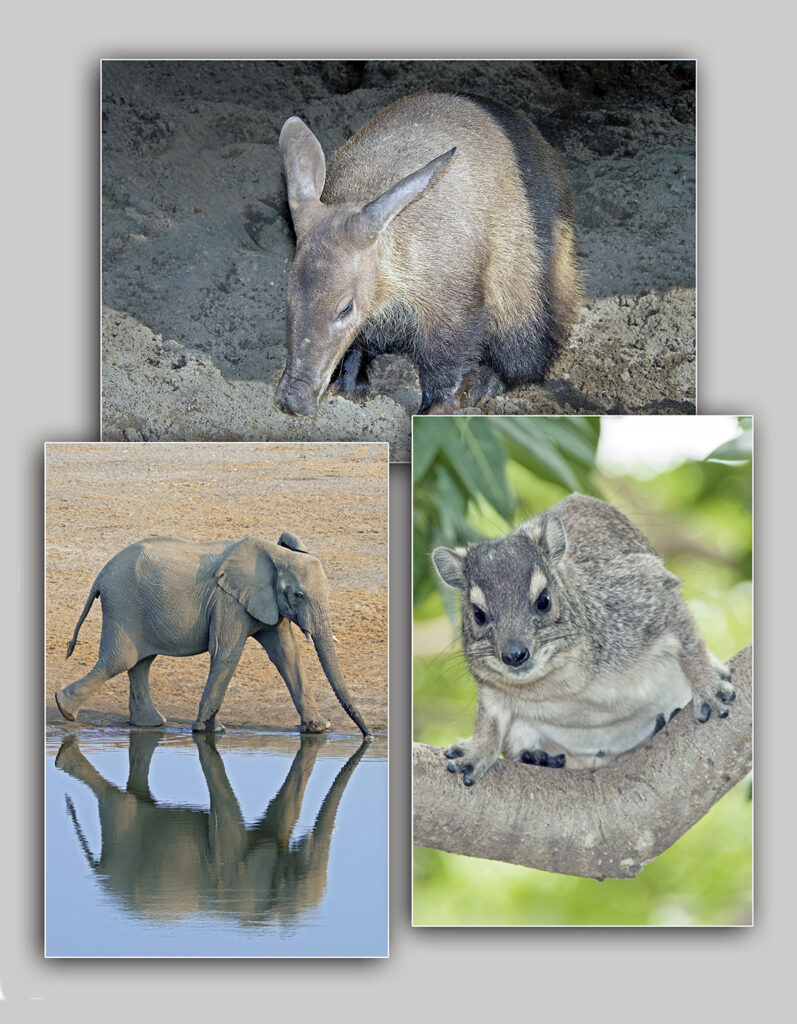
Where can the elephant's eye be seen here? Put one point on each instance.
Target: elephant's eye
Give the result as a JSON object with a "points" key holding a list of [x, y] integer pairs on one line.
{"points": [[298, 596]]}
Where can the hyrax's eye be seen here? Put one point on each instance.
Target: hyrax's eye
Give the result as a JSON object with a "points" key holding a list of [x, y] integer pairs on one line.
{"points": [[543, 602], [479, 616], [345, 311]]}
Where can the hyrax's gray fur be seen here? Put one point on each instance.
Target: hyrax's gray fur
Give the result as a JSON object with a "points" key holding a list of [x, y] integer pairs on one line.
{"points": [[578, 638]]}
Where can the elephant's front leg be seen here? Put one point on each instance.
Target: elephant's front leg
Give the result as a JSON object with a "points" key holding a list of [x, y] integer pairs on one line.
{"points": [[284, 809], [226, 645], [280, 644]]}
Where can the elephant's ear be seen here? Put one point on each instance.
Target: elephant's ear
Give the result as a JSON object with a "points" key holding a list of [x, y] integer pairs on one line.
{"points": [[248, 574], [290, 540]]}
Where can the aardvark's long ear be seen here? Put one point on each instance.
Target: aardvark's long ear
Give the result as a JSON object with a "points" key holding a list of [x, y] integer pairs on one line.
{"points": [[248, 574], [305, 171], [375, 217]]}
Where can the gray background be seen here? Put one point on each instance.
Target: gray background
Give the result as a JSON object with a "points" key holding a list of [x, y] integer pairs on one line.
{"points": [[746, 162]]}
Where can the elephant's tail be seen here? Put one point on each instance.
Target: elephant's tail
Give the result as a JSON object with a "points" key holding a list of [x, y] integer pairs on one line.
{"points": [[93, 595]]}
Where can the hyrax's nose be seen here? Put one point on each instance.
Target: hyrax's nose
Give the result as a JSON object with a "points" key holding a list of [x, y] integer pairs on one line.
{"points": [[514, 653]]}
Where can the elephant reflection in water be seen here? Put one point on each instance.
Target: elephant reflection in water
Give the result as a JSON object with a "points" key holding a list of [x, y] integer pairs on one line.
{"points": [[174, 862]]}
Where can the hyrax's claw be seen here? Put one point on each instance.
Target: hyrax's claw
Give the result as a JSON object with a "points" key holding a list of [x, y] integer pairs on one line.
{"points": [[470, 763], [716, 699]]}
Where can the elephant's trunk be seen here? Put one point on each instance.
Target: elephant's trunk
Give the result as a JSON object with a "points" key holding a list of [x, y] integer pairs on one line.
{"points": [[325, 649]]}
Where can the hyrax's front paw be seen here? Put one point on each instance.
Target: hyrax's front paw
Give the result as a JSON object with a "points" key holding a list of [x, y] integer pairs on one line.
{"points": [[718, 698], [469, 761]]}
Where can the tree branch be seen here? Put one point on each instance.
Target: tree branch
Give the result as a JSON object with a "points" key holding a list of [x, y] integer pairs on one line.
{"points": [[599, 822]]}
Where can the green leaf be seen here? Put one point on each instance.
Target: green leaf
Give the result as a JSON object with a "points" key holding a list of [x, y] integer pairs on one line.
{"points": [[573, 443], [534, 450], [477, 457], [425, 446]]}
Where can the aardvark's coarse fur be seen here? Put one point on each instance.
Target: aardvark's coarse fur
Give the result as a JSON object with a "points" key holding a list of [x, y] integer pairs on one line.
{"points": [[443, 228]]}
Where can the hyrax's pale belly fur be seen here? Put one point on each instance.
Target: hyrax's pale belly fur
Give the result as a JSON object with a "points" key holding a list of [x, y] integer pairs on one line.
{"points": [[620, 708]]}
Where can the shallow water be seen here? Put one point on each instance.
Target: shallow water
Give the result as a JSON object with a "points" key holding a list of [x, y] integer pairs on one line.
{"points": [[162, 844]]}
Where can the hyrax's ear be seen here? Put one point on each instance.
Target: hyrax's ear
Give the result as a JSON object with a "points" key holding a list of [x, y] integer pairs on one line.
{"points": [[554, 536], [248, 574], [450, 565], [290, 540]]}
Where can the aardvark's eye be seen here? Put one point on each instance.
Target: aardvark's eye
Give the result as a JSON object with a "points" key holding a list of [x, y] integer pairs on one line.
{"points": [[343, 313]]}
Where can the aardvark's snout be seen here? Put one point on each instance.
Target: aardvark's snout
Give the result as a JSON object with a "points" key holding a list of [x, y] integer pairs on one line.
{"points": [[295, 397]]}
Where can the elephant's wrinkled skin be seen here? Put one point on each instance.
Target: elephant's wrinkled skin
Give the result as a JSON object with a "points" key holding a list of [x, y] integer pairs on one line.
{"points": [[165, 861], [174, 597]]}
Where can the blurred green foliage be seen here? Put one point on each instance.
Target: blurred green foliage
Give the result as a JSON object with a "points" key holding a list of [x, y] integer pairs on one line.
{"points": [[482, 476]]}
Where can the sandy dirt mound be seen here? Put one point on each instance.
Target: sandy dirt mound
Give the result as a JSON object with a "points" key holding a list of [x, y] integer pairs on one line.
{"points": [[99, 498], [197, 238]]}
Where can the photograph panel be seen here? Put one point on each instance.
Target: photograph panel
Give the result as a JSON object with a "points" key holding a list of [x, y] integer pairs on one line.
{"points": [[582, 670], [186, 584], [318, 250]]}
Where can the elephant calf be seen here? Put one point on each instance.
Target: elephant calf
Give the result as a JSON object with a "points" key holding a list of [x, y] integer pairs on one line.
{"points": [[174, 597]]}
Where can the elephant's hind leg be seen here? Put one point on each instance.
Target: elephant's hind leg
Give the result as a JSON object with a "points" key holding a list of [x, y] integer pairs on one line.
{"points": [[143, 712], [72, 698], [114, 658]]}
